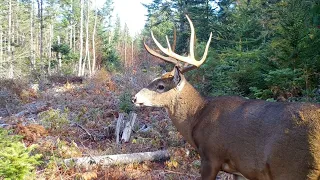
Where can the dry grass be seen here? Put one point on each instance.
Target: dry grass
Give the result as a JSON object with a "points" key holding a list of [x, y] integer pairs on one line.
{"points": [[94, 105]]}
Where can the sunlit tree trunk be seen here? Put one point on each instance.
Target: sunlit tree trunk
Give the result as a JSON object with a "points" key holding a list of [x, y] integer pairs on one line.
{"points": [[93, 41], [81, 39], [50, 45], [32, 51], [87, 59], [132, 52], [1, 46], [125, 51], [10, 60], [71, 24], [59, 57], [74, 38], [40, 2]]}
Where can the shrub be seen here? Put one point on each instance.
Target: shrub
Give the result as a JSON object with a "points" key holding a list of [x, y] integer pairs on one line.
{"points": [[54, 119], [16, 161], [125, 102]]}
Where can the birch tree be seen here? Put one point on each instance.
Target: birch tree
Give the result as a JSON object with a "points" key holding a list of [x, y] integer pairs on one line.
{"points": [[93, 39], [10, 60], [32, 51], [87, 57], [40, 11], [1, 45], [81, 38]]}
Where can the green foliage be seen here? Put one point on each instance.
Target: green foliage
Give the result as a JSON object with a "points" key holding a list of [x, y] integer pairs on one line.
{"points": [[54, 118], [64, 49], [125, 104], [261, 49], [111, 59], [16, 160]]}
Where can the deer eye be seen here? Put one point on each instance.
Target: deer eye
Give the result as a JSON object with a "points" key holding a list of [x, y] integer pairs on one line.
{"points": [[160, 87]]}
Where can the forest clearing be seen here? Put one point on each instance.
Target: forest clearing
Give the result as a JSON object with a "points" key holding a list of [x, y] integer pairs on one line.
{"points": [[78, 120], [69, 70]]}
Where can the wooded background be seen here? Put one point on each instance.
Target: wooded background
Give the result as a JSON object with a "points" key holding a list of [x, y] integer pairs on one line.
{"points": [[266, 49]]}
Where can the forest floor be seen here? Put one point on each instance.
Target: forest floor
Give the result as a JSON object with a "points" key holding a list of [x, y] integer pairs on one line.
{"points": [[73, 119]]}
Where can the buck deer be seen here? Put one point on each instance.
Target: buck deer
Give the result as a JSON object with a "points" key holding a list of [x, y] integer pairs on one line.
{"points": [[258, 139]]}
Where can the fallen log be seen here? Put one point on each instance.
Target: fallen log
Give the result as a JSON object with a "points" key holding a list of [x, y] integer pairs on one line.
{"points": [[108, 160]]}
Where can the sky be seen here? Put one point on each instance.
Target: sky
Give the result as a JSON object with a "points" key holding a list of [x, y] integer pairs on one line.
{"points": [[131, 12]]}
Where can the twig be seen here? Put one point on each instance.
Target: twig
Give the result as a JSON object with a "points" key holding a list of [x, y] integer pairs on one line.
{"points": [[174, 172], [55, 162], [92, 137]]}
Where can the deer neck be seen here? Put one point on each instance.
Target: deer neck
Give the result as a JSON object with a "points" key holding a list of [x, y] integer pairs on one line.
{"points": [[184, 110]]}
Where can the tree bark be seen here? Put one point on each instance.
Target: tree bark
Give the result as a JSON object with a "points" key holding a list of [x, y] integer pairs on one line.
{"points": [[1, 46], [93, 41], [81, 39], [50, 45], [125, 51], [32, 51], [87, 57], [132, 53], [59, 58], [10, 60], [128, 127], [71, 24], [118, 127], [40, 2]]}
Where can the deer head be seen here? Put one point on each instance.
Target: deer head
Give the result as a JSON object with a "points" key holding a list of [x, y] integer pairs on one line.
{"points": [[161, 91]]}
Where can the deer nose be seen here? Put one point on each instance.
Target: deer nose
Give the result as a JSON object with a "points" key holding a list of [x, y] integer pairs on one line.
{"points": [[134, 99]]}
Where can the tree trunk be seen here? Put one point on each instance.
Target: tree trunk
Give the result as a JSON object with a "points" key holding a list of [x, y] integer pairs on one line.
{"points": [[10, 60], [40, 2], [74, 38], [1, 46], [71, 24], [81, 39], [59, 58], [32, 51], [125, 51], [93, 41], [73, 30], [87, 59], [50, 45], [132, 53]]}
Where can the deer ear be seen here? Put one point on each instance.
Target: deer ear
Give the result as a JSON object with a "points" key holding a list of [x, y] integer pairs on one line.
{"points": [[176, 75]]}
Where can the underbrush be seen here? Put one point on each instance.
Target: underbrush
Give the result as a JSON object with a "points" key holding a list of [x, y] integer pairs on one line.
{"points": [[16, 160], [77, 120]]}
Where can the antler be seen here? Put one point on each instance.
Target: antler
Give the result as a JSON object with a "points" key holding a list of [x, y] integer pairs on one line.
{"points": [[174, 58]]}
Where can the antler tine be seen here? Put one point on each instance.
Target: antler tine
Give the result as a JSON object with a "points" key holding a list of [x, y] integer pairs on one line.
{"points": [[189, 59], [154, 53], [191, 46], [169, 46]]}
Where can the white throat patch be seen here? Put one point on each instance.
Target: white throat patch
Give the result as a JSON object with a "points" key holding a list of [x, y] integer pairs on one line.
{"points": [[181, 85]]}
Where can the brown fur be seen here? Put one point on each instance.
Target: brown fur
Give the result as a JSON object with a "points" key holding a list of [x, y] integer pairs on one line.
{"points": [[261, 140]]}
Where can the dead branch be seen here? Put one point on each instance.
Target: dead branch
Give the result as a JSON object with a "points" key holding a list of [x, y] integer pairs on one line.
{"points": [[32, 108], [92, 137]]}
